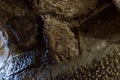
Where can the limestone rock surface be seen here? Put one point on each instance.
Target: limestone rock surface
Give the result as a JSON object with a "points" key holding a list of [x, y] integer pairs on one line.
{"points": [[61, 20], [51, 39]]}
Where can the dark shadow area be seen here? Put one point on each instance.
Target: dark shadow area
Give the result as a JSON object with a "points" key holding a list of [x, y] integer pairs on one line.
{"points": [[25, 33], [103, 25]]}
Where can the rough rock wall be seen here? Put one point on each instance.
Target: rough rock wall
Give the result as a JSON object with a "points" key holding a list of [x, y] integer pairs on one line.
{"points": [[78, 32], [58, 19], [61, 17]]}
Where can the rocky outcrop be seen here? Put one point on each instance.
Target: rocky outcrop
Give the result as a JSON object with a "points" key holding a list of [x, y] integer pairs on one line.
{"points": [[58, 19], [57, 12], [68, 32], [61, 17]]}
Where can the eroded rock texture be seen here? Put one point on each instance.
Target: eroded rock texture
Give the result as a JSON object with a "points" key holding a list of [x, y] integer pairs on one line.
{"points": [[30, 27], [57, 41], [61, 17], [106, 69], [73, 33]]}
